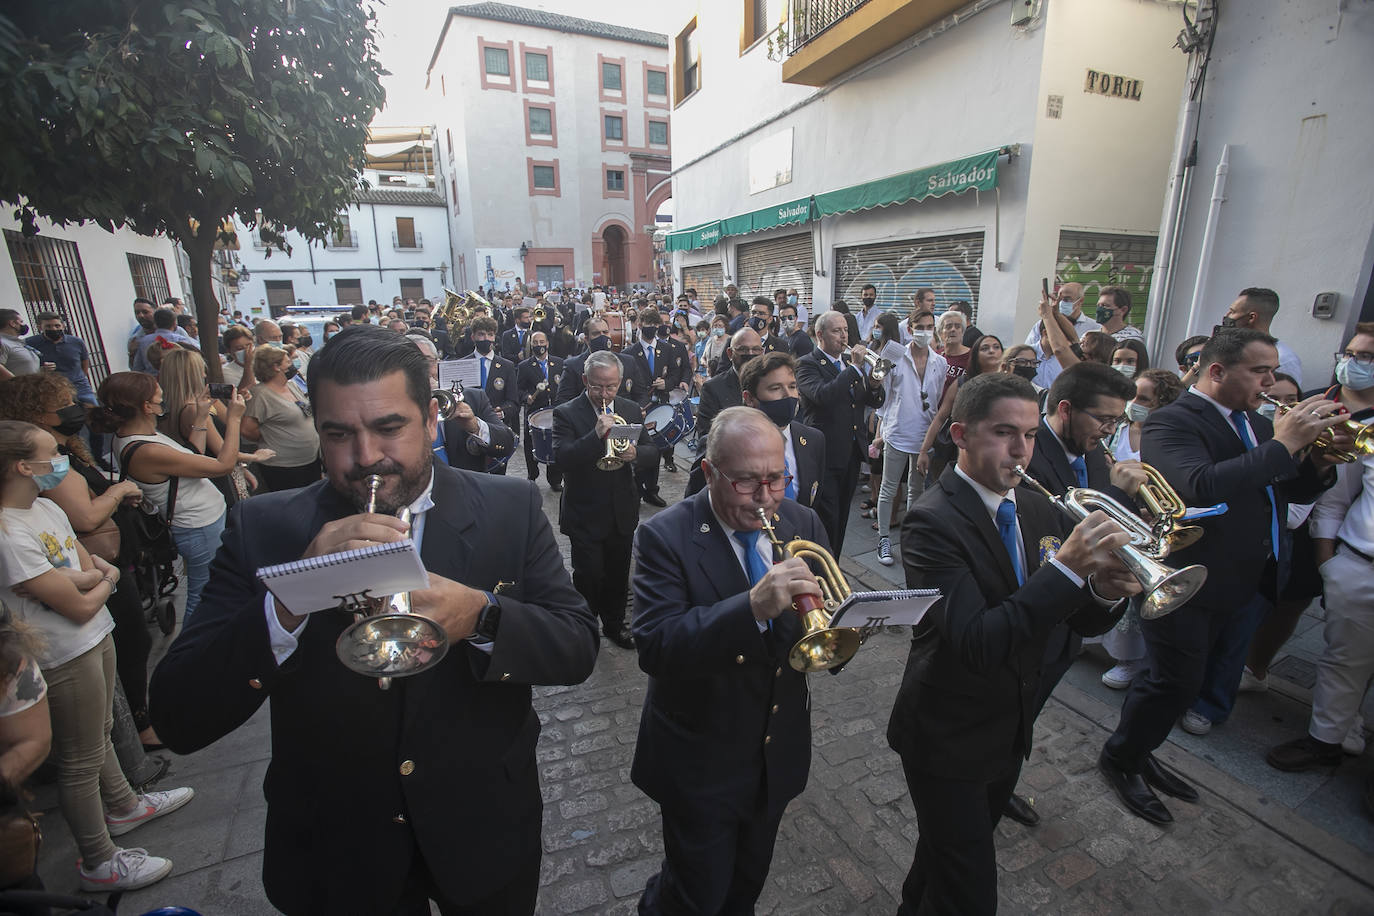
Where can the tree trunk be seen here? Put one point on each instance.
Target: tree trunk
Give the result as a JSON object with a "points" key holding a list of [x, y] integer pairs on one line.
{"points": [[201, 249]]}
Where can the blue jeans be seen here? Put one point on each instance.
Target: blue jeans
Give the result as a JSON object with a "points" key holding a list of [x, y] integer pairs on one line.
{"points": [[197, 547]]}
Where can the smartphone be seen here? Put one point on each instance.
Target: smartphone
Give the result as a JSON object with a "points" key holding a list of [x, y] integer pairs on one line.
{"points": [[221, 391], [1045, 287]]}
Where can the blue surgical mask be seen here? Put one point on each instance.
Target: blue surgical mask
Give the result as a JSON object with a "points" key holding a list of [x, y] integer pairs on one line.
{"points": [[1137, 413], [1353, 375], [792, 299], [1066, 306], [1267, 410], [60, 466]]}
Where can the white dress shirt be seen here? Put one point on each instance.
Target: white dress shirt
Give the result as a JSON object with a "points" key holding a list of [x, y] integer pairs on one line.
{"points": [[904, 421], [991, 501], [1346, 511]]}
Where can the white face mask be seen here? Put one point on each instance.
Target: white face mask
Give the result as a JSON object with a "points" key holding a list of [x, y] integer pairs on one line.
{"points": [[1125, 369], [922, 338], [1136, 413], [1066, 306], [1267, 410]]}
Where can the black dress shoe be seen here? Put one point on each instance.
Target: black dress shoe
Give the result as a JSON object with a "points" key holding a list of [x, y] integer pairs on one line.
{"points": [[622, 637], [669, 464], [654, 499], [1134, 792], [1167, 781], [1305, 753], [1020, 810]]}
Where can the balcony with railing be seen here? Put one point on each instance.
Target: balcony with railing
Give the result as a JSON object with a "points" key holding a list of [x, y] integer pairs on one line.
{"points": [[827, 38], [343, 241], [408, 242]]}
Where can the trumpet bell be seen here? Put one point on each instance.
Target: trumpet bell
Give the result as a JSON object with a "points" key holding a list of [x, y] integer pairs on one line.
{"points": [[392, 645], [1170, 590], [823, 647], [1183, 537]]}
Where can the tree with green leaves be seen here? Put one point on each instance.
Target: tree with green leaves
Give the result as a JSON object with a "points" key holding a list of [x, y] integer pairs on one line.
{"points": [[171, 117]]}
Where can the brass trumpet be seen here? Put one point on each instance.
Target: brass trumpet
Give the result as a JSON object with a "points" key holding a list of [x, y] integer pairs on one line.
{"points": [[613, 460], [1326, 442], [1165, 589], [1166, 508], [539, 314], [875, 366], [391, 640], [449, 399], [821, 646]]}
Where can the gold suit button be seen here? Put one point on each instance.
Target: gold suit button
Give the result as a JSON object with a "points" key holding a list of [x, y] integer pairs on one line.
{"points": [[775, 708], [407, 767], [778, 673], [399, 819], [255, 683], [767, 739], [739, 659], [505, 676]]}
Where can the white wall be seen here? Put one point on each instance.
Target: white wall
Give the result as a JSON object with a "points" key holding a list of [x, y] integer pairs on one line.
{"points": [[105, 263], [488, 127], [1289, 89], [1104, 164]]}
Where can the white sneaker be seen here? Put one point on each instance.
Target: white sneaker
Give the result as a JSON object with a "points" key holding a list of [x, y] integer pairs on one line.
{"points": [[1119, 678], [1251, 684], [150, 805], [1195, 724], [1353, 743], [127, 870], [885, 551]]}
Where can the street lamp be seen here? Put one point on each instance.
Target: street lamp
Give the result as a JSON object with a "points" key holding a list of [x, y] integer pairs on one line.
{"points": [[524, 250], [443, 272]]}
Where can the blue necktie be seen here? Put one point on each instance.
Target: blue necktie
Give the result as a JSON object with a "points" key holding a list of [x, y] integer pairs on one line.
{"points": [[754, 565], [482, 382], [649, 355], [1006, 529], [791, 491], [440, 447], [1080, 470], [1243, 429], [544, 368], [519, 339]]}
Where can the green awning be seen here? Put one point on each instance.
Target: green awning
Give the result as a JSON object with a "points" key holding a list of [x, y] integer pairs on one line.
{"points": [[975, 173], [971, 173]]}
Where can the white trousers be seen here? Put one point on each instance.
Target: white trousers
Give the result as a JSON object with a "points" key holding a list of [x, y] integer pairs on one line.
{"points": [[1347, 662]]}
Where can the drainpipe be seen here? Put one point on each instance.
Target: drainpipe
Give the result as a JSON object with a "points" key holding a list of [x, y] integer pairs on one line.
{"points": [[1209, 237], [1170, 232]]}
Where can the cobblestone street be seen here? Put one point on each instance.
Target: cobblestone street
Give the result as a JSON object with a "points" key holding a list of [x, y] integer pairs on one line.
{"points": [[846, 842]]}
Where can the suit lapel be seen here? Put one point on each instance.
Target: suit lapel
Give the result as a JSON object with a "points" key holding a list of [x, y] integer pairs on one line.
{"points": [[716, 557], [1048, 444], [447, 545], [1219, 424], [968, 504]]}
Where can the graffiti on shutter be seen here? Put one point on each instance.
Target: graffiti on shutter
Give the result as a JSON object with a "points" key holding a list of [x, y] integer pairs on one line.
{"points": [[1098, 259], [952, 265]]}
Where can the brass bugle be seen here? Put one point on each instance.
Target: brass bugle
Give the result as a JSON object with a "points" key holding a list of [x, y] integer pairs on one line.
{"points": [[1325, 443], [391, 640], [821, 646], [613, 459], [1165, 589], [875, 366]]}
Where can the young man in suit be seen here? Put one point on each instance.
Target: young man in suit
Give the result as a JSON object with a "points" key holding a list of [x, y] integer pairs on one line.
{"points": [[769, 384], [721, 392], [1010, 568], [725, 735], [663, 361], [513, 340], [497, 588], [537, 379], [495, 374], [1212, 446], [599, 509], [474, 438], [834, 395]]}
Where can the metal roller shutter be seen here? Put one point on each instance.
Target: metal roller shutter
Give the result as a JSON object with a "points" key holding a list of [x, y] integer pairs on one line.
{"points": [[707, 280], [952, 265], [785, 263], [1098, 259]]}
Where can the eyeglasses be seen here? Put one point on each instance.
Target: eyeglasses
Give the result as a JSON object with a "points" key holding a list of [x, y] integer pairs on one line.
{"points": [[1192, 358], [1362, 359], [1104, 422], [750, 486]]}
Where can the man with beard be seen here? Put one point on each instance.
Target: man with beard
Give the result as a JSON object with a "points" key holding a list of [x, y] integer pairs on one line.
{"points": [[497, 588], [143, 313]]}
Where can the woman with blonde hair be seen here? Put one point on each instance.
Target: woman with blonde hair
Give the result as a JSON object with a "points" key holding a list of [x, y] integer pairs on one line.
{"points": [[279, 417], [52, 584]]}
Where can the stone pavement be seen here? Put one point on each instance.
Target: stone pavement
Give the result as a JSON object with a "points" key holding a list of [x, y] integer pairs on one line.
{"points": [[1256, 843]]}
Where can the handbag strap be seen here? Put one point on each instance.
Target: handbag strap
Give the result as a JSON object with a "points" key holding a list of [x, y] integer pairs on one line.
{"points": [[126, 454]]}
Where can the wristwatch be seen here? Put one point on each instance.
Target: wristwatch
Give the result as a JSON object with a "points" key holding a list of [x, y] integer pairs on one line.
{"points": [[489, 620]]}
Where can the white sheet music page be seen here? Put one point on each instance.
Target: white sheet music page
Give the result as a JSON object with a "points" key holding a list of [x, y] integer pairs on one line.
{"points": [[467, 371], [897, 608], [325, 582]]}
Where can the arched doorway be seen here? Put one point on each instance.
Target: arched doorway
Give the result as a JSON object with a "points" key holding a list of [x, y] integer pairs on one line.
{"points": [[613, 270]]}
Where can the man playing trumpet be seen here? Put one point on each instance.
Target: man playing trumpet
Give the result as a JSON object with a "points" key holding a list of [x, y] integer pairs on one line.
{"points": [[433, 782], [725, 736]]}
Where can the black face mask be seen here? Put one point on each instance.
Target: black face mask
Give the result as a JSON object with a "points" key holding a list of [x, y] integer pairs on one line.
{"points": [[53, 335], [1104, 314], [70, 420], [539, 349], [482, 346], [1026, 372], [23, 329], [1228, 322], [649, 332], [868, 303], [758, 324], [599, 343], [290, 372], [304, 340], [740, 362], [781, 412]]}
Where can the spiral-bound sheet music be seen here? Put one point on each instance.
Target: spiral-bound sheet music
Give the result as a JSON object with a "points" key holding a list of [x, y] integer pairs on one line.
{"points": [[324, 582], [900, 607]]}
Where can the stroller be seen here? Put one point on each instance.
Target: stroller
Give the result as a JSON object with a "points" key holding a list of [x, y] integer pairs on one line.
{"points": [[150, 552]]}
